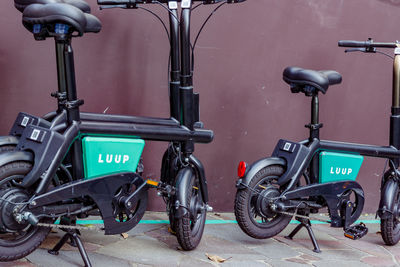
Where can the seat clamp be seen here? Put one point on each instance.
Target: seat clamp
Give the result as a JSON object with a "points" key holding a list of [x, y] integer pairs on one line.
{"points": [[59, 96], [314, 126], [73, 104]]}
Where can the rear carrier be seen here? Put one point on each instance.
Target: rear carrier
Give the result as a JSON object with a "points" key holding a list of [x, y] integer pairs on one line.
{"points": [[335, 166], [106, 155]]}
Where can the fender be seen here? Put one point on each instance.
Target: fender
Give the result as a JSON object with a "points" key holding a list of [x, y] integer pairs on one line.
{"points": [[242, 183], [23, 120], [46, 146], [202, 176], [8, 140], [183, 179], [388, 195], [14, 156]]}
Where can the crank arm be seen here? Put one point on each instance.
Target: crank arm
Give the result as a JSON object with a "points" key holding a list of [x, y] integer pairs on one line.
{"points": [[134, 197]]}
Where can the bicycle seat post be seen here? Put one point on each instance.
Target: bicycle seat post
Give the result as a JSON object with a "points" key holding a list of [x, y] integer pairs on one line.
{"points": [[314, 126], [60, 95]]}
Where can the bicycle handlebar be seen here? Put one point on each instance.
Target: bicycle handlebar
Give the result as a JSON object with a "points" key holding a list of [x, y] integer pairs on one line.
{"points": [[367, 44], [134, 2]]}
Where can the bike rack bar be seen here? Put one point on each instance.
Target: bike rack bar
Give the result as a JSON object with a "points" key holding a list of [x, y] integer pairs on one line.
{"points": [[86, 116], [148, 132]]}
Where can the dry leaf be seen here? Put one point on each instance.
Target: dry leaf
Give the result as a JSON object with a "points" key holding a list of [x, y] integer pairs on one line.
{"points": [[171, 231], [124, 235], [216, 258]]}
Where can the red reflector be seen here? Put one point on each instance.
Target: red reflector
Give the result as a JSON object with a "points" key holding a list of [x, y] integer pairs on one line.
{"points": [[242, 169]]}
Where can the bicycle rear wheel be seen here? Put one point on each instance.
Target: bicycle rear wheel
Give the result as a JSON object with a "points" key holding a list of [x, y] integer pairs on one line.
{"points": [[252, 211]]}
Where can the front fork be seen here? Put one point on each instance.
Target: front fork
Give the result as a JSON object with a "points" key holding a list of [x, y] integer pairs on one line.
{"points": [[173, 163], [389, 190]]}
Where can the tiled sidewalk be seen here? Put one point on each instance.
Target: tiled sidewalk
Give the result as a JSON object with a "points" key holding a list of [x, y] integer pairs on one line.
{"points": [[150, 244]]}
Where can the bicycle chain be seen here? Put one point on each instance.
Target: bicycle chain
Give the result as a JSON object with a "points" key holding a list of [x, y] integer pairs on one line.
{"points": [[98, 228], [74, 227]]}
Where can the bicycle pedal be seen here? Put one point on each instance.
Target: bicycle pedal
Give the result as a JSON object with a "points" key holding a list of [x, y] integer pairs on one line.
{"points": [[356, 231]]}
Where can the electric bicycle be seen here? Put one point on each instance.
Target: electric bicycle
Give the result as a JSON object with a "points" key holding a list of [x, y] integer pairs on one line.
{"points": [[300, 178], [70, 164]]}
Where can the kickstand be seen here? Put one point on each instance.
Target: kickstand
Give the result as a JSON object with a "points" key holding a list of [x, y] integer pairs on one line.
{"points": [[75, 241], [307, 224]]}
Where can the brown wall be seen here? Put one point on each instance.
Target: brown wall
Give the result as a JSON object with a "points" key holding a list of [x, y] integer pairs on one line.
{"points": [[239, 61]]}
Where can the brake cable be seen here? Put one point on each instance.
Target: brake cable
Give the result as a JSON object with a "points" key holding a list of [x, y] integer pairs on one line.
{"points": [[201, 29]]}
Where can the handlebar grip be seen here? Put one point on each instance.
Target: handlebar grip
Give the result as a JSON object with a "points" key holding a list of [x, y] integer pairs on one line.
{"points": [[350, 43], [367, 44]]}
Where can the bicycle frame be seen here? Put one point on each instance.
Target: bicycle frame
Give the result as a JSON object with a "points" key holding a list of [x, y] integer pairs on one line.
{"points": [[314, 144]]}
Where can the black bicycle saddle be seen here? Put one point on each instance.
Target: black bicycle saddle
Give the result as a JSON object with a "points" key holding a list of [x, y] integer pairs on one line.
{"points": [[50, 14], [310, 81], [81, 4]]}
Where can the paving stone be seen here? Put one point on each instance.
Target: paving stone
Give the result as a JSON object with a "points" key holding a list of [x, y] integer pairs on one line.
{"points": [[223, 248], [144, 250], [70, 258], [19, 263], [335, 254], [377, 249], [230, 232], [252, 263], [274, 249], [297, 260], [336, 263], [310, 258], [378, 261], [53, 239], [163, 235], [303, 259], [285, 263], [186, 261], [99, 238], [306, 243], [143, 228]]}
